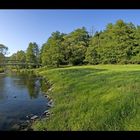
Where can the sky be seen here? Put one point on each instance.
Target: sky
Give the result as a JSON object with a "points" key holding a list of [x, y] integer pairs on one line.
{"points": [[19, 27]]}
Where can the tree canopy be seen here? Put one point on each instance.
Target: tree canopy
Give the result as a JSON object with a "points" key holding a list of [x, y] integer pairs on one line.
{"points": [[3, 52], [32, 54], [118, 43]]}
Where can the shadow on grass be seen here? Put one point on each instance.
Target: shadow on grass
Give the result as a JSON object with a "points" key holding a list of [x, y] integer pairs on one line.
{"points": [[80, 71]]}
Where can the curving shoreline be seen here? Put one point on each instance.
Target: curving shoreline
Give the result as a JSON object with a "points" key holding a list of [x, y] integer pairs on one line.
{"points": [[30, 119], [46, 114]]}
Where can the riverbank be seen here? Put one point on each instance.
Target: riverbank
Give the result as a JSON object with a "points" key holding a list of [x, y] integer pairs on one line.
{"points": [[102, 97]]}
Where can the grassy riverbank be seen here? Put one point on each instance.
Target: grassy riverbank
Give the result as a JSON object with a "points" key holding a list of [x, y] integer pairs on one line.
{"points": [[102, 97]]}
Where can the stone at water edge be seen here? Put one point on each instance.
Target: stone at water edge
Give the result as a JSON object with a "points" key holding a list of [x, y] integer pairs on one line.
{"points": [[50, 105], [27, 121], [30, 115], [50, 102], [34, 117], [46, 111], [49, 89], [15, 126], [45, 95], [47, 115]]}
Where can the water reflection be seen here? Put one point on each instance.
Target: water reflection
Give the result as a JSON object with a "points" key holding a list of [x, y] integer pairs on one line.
{"points": [[20, 95], [2, 95], [30, 81], [44, 85], [33, 90]]}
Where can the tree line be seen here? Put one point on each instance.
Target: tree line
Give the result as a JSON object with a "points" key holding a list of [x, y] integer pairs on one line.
{"points": [[118, 43]]}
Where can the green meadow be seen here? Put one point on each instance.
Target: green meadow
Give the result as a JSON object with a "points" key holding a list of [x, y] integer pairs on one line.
{"points": [[100, 97]]}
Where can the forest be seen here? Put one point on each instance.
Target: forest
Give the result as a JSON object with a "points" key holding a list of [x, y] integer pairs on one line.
{"points": [[118, 43]]}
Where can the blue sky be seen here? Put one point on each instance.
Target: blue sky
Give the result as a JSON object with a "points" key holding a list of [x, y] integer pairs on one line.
{"points": [[19, 27]]}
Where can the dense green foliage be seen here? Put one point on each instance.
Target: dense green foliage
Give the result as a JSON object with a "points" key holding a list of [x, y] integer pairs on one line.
{"points": [[52, 51], [75, 45], [32, 55], [19, 57], [3, 49], [62, 49], [28, 59], [101, 97], [118, 43], [3, 52]]}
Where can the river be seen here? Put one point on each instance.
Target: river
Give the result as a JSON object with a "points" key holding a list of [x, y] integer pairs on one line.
{"points": [[20, 96]]}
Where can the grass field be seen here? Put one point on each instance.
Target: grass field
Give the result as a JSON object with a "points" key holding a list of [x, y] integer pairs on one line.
{"points": [[102, 97]]}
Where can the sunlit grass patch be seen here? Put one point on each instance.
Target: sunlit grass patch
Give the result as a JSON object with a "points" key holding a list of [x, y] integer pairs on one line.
{"points": [[101, 97]]}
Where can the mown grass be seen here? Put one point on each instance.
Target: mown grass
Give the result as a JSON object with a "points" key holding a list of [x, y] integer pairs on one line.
{"points": [[102, 97]]}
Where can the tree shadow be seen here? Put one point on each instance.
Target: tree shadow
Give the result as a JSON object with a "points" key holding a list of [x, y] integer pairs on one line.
{"points": [[80, 71]]}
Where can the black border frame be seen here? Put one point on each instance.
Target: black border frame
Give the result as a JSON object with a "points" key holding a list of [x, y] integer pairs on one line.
{"points": [[70, 4]]}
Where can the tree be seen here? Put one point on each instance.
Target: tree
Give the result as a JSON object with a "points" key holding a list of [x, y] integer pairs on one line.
{"points": [[32, 55], [116, 43], [3, 49], [21, 56], [75, 45], [92, 56], [3, 52], [52, 50]]}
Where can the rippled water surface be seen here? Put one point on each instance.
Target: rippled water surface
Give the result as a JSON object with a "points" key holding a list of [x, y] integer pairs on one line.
{"points": [[20, 95]]}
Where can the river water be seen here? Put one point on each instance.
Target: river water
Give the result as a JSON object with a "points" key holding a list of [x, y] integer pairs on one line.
{"points": [[20, 96]]}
